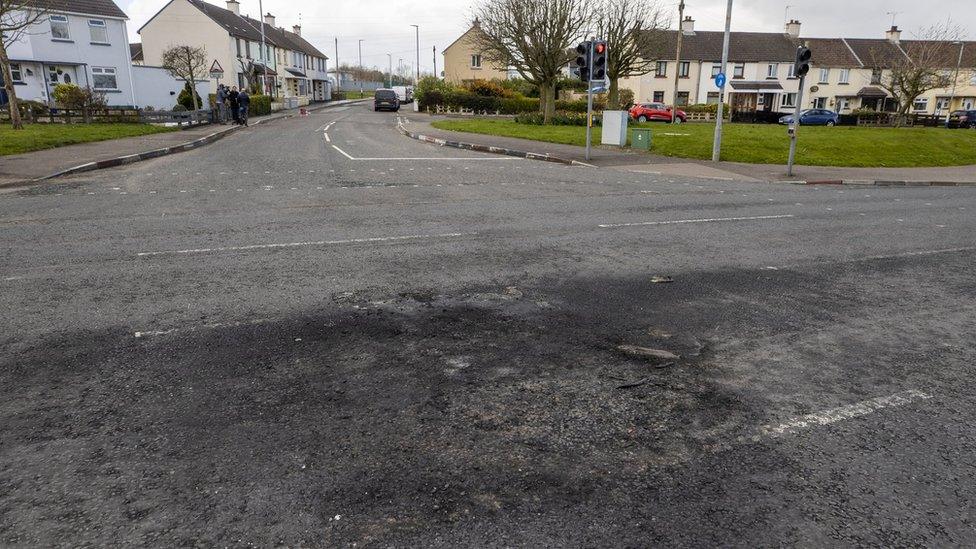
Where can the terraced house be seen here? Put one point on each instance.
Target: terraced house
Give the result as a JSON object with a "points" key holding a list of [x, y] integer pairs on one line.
{"points": [[81, 42], [848, 73], [287, 66]]}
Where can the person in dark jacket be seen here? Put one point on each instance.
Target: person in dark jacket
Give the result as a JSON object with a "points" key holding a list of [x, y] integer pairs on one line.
{"points": [[232, 98], [243, 102]]}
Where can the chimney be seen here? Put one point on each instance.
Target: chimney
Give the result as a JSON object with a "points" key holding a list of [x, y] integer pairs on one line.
{"points": [[688, 25], [793, 28], [476, 23], [893, 34], [297, 29], [269, 19], [234, 6]]}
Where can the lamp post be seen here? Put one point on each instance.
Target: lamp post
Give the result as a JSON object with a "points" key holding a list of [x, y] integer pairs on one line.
{"points": [[955, 80], [264, 62], [417, 81], [390, 58], [361, 67], [717, 142]]}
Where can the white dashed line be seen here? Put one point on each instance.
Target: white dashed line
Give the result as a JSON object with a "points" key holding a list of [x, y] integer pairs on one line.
{"points": [[684, 221], [302, 244]]}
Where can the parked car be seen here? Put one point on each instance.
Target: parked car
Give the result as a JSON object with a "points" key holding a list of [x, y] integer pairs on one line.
{"points": [[646, 112], [813, 117], [405, 93], [385, 98], [963, 119]]}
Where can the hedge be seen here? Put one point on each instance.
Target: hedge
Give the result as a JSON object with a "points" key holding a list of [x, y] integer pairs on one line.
{"points": [[558, 119], [461, 99]]}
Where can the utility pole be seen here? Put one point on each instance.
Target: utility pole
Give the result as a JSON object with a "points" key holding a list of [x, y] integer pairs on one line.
{"points": [[361, 67], [677, 61], [417, 81], [955, 80], [264, 62], [435, 61], [390, 58], [717, 143], [338, 72]]}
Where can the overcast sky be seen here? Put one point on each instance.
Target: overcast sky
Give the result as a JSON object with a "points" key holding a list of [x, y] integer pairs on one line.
{"points": [[385, 25]]}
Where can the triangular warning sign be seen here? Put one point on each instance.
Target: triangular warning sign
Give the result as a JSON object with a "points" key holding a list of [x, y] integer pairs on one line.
{"points": [[216, 67]]}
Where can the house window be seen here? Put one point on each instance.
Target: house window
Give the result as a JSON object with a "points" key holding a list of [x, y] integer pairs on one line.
{"points": [[99, 34], [921, 104], [875, 76], [238, 46], [845, 76], [103, 78], [683, 69], [789, 100], [820, 103], [52, 74], [247, 49], [659, 97], [15, 72], [791, 72], [843, 104], [682, 99], [771, 70], [662, 68], [739, 71], [476, 61], [712, 98], [59, 27], [824, 76], [941, 104]]}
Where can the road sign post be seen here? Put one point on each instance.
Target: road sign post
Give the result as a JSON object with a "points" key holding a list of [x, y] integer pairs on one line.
{"points": [[216, 71], [717, 140]]}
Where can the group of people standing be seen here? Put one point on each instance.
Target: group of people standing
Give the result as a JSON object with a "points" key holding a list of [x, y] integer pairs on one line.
{"points": [[237, 102]]}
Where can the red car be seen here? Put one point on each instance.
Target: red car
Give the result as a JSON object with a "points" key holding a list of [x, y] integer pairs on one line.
{"points": [[645, 112]]}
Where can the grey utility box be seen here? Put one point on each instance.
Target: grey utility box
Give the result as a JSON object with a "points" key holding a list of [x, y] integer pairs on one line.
{"points": [[615, 128]]}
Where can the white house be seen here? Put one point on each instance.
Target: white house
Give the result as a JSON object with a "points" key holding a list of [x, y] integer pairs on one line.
{"points": [[83, 43]]}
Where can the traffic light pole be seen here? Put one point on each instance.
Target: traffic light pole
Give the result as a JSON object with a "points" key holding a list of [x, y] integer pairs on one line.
{"points": [[589, 102], [795, 125]]}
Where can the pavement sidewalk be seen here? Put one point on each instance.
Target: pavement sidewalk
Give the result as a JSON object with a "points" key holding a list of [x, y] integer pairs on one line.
{"points": [[23, 168], [630, 160]]}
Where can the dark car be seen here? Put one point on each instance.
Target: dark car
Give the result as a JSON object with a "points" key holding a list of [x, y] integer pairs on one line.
{"points": [[963, 119], [386, 99], [645, 112], [813, 117]]}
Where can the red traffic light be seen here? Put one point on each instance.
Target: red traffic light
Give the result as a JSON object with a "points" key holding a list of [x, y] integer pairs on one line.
{"points": [[600, 47]]}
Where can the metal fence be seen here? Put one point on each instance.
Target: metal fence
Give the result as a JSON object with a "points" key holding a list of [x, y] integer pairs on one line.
{"points": [[180, 118]]}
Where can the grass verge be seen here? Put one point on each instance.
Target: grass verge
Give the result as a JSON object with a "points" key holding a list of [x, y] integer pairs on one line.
{"points": [[35, 137], [768, 144]]}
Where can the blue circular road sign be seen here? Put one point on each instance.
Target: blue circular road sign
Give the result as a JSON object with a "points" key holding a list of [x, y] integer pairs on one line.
{"points": [[720, 80]]}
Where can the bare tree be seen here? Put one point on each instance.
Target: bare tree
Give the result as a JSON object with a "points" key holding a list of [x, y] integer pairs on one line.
{"points": [[187, 63], [16, 18], [532, 36], [917, 66], [632, 28]]}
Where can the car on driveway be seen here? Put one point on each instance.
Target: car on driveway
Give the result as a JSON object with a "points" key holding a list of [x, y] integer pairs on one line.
{"points": [[647, 112], [386, 99], [814, 117], [963, 119]]}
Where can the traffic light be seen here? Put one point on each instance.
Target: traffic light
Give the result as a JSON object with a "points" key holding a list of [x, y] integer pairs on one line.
{"points": [[583, 60], [802, 65], [598, 65]]}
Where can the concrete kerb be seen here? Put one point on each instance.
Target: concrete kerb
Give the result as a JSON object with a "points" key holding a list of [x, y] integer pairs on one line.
{"points": [[156, 153], [487, 148], [886, 183]]}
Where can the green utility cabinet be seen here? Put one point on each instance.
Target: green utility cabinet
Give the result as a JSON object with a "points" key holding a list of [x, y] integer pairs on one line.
{"points": [[640, 138]]}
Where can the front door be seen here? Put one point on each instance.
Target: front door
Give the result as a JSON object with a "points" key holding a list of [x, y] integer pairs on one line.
{"points": [[769, 99]]}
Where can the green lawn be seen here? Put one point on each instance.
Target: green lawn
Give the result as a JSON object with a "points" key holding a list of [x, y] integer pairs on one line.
{"points": [[35, 137], [357, 95], [768, 144]]}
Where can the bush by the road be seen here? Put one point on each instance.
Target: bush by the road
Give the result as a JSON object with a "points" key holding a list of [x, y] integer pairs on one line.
{"points": [[260, 105], [558, 119]]}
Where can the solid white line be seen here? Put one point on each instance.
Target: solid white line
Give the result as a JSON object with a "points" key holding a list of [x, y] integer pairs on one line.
{"points": [[299, 244], [683, 221], [344, 153], [450, 159], [327, 139]]}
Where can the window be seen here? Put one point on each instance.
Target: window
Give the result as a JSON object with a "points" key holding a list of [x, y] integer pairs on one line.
{"points": [[716, 68], [238, 47], [99, 34], [875, 76], [662, 69], [845, 76], [843, 104], [789, 100], [791, 71], [824, 76], [820, 103], [712, 98], [659, 97], [771, 70], [476, 61], [15, 72], [683, 69], [247, 49], [104, 78], [59, 27], [682, 98], [941, 104], [739, 71], [920, 104], [52, 74]]}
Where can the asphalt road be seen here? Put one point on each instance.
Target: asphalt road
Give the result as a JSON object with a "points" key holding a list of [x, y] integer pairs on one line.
{"points": [[318, 332]]}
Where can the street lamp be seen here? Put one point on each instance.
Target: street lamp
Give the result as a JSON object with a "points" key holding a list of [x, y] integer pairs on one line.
{"points": [[955, 80], [361, 67], [390, 58], [418, 53]]}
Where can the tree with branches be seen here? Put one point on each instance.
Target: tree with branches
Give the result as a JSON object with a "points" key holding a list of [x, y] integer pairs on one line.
{"points": [[918, 65], [16, 19], [187, 63], [534, 37], [631, 29]]}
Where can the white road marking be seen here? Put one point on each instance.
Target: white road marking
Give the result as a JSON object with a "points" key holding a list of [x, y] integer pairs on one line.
{"points": [[301, 244], [344, 153], [327, 138], [683, 221], [902, 255]]}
